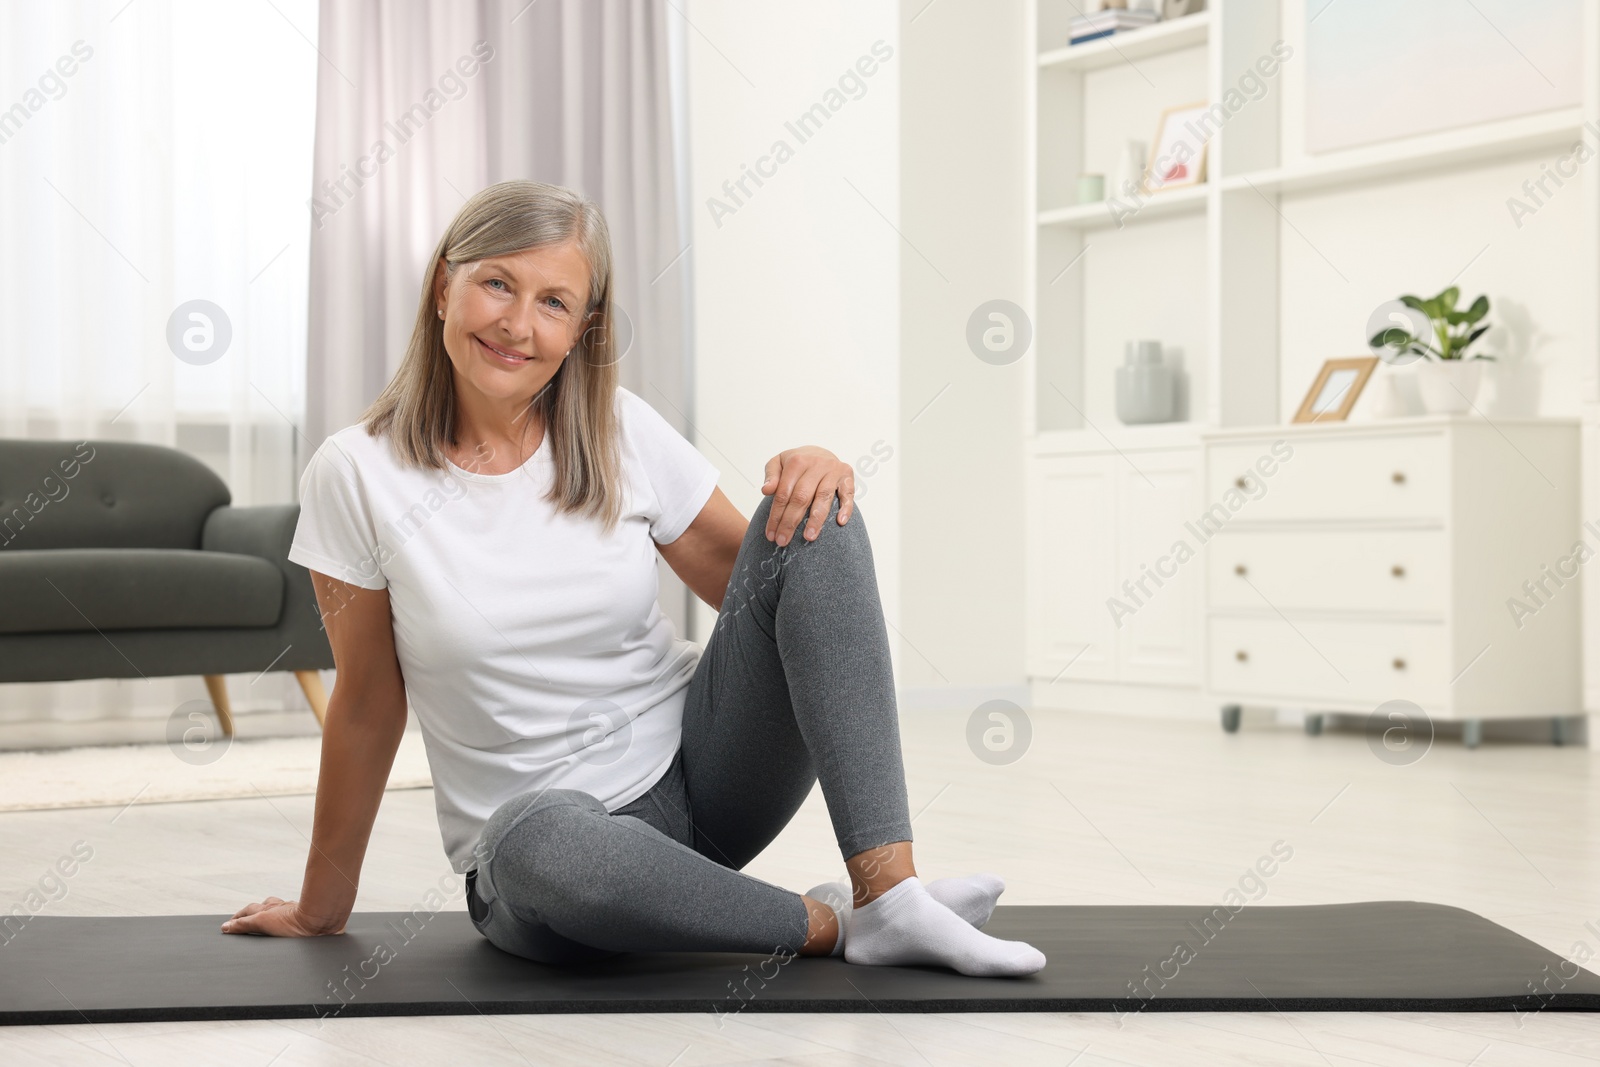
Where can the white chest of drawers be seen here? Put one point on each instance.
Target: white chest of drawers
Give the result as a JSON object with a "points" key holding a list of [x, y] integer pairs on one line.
{"points": [[1434, 560]]}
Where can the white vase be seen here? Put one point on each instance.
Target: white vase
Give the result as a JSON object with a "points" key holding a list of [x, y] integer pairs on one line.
{"points": [[1130, 172], [1449, 386], [1144, 385]]}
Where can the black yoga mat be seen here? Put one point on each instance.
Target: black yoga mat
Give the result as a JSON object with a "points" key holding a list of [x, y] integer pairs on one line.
{"points": [[1379, 956]]}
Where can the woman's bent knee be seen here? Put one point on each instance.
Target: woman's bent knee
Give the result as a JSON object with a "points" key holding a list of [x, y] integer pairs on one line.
{"points": [[764, 509], [545, 808], [531, 847], [829, 532]]}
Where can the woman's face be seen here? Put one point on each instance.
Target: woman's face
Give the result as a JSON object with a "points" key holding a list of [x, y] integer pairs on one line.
{"points": [[510, 320]]}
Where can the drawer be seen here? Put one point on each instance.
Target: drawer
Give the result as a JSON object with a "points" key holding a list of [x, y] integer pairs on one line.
{"points": [[1329, 570], [1382, 477], [1350, 663]]}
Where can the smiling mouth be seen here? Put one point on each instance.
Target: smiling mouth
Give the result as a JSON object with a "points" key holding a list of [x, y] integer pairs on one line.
{"points": [[509, 356]]}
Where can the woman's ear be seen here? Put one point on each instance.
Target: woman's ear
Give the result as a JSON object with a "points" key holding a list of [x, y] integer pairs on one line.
{"points": [[441, 280], [587, 323]]}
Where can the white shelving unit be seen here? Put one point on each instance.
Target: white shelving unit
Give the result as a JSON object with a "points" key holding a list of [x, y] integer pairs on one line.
{"points": [[1248, 177], [1151, 41], [1223, 321], [1451, 148], [1100, 214]]}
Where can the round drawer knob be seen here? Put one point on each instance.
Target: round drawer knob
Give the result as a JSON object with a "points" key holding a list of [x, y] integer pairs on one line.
{"points": [[1238, 568], [1398, 478], [1399, 664], [1241, 655], [1398, 571], [1241, 482]]}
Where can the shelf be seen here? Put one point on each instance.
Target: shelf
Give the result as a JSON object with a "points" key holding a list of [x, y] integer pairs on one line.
{"points": [[1098, 215], [1415, 155], [1185, 32]]}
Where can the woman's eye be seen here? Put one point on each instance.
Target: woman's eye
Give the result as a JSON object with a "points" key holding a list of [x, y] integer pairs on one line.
{"points": [[558, 302], [494, 280]]}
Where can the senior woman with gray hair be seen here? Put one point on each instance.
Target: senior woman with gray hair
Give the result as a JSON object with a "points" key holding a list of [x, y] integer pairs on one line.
{"points": [[483, 546]]}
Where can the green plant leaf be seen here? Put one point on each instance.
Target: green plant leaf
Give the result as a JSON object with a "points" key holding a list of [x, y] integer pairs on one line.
{"points": [[1475, 334], [1446, 300], [1479, 308], [1455, 318], [1413, 302]]}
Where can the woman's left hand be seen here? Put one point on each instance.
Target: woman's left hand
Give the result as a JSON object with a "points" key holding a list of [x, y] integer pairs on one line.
{"points": [[800, 478]]}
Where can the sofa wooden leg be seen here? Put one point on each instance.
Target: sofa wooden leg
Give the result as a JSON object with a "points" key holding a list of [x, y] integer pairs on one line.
{"points": [[316, 696], [218, 688]]}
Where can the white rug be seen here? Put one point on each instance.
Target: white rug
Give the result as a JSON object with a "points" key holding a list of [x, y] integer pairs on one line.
{"points": [[117, 775]]}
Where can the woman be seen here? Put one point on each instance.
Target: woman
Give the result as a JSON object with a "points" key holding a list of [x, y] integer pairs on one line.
{"points": [[483, 544]]}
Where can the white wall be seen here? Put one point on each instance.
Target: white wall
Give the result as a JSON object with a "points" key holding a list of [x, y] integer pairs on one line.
{"points": [[962, 143], [831, 307], [797, 335]]}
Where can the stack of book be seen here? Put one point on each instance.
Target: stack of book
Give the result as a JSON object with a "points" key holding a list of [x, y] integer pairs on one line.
{"points": [[1105, 23]]}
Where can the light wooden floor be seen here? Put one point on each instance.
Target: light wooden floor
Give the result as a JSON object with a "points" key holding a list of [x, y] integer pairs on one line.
{"points": [[1099, 810]]}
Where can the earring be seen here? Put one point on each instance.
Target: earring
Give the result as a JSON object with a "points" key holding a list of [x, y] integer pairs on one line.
{"points": [[441, 313]]}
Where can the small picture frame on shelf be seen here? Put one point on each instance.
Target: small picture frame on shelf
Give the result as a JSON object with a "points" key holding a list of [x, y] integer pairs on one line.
{"points": [[1178, 152], [1334, 393]]}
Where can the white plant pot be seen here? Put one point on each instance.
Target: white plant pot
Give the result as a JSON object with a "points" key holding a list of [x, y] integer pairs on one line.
{"points": [[1449, 386]]}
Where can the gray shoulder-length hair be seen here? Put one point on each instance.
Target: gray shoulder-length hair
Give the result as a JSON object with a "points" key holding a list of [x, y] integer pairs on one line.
{"points": [[417, 409]]}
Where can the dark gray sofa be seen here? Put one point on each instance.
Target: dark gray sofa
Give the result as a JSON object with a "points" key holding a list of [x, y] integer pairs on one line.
{"points": [[125, 560]]}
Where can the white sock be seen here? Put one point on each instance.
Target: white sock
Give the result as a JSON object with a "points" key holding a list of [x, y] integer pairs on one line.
{"points": [[906, 926], [971, 896], [835, 895]]}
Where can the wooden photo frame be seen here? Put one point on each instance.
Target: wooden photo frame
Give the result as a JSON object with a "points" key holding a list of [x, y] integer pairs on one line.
{"points": [[1178, 150], [1334, 393]]}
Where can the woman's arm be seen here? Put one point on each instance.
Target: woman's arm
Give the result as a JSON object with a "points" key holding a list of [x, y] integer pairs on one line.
{"points": [[365, 718], [703, 555]]}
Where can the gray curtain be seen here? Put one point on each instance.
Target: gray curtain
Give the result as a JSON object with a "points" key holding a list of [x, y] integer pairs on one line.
{"points": [[422, 103]]}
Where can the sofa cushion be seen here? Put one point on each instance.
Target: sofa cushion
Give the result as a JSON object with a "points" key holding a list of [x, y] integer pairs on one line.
{"points": [[76, 589], [103, 494]]}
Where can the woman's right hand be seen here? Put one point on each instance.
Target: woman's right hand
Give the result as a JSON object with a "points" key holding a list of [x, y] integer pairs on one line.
{"points": [[276, 917]]}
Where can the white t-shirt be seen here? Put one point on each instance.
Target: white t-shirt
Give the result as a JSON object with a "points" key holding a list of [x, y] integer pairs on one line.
{"points": [[534, 651]]}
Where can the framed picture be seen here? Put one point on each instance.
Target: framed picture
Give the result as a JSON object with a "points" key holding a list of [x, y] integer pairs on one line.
{"points": [[1178, 153], [1334, 392]]}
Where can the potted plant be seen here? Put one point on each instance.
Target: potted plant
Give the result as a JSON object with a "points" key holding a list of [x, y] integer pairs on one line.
{"points": [[1448, 377]]}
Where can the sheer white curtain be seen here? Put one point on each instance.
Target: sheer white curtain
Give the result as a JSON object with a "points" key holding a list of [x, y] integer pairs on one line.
{"points": [[153, 154]]}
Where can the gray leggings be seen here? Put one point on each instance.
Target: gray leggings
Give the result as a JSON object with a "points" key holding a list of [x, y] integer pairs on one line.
{"points": [[794, 684]]}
